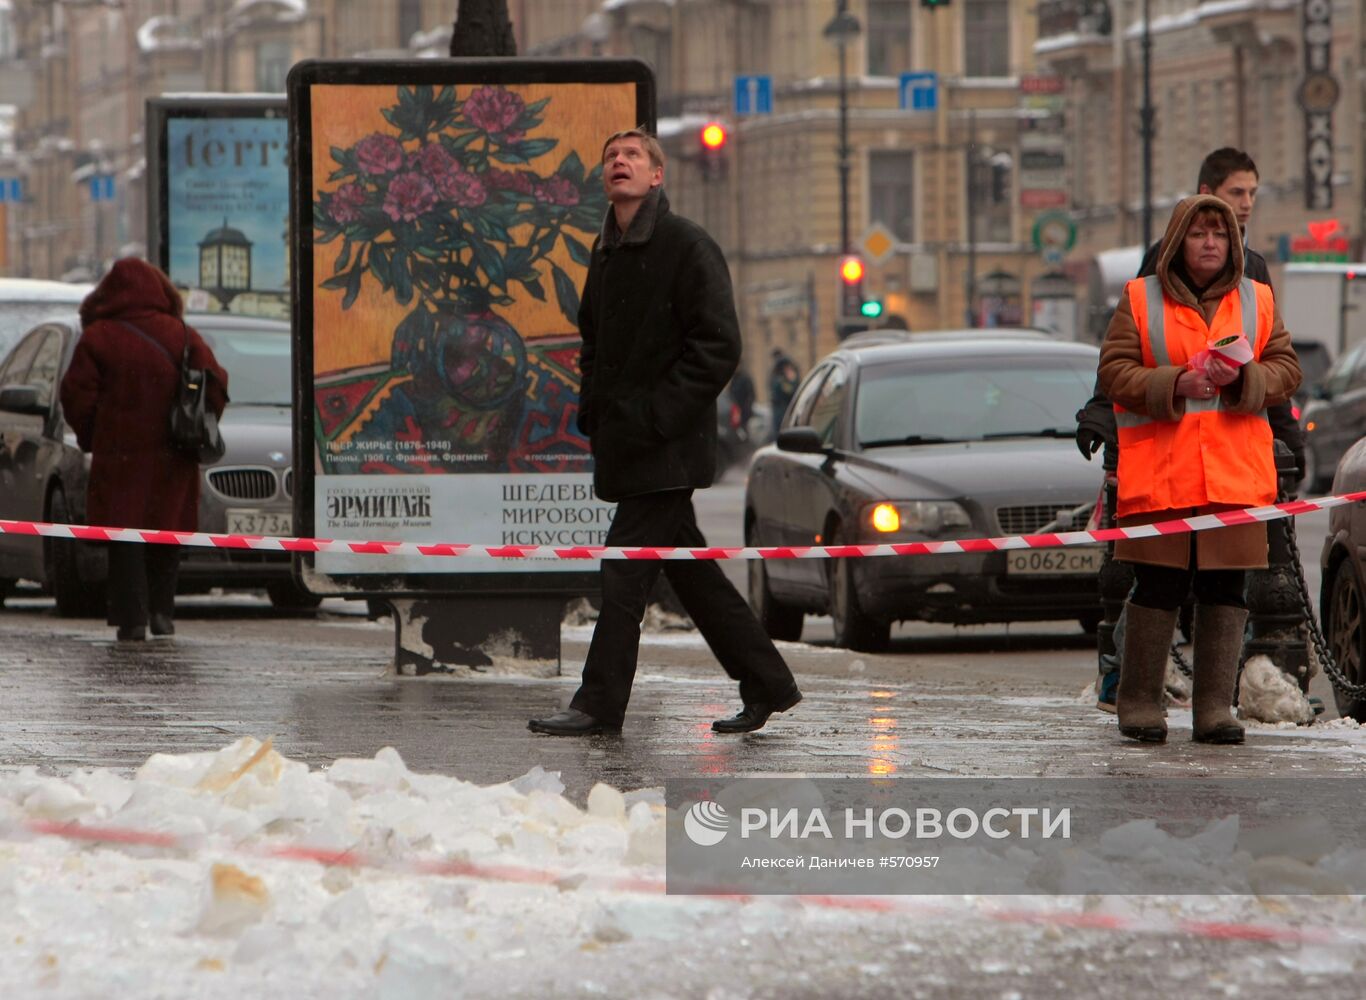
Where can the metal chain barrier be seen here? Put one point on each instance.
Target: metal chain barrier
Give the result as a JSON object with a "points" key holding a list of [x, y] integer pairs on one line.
{"points": [[1336, 677]]}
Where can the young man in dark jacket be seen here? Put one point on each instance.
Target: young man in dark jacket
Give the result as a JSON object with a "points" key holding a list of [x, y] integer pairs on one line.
{"points": [[660, 342], [1231, 176]]}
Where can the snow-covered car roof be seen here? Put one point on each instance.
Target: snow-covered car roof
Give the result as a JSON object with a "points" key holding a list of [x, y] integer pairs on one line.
{"points": [[41, 290]]}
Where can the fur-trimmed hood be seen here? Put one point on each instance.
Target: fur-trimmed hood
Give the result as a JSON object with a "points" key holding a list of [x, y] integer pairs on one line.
{"points": [[1182, 217], [132, 287]]}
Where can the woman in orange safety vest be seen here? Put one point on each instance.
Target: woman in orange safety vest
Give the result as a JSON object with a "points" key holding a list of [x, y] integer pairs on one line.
{"points": [[1193, 439]]}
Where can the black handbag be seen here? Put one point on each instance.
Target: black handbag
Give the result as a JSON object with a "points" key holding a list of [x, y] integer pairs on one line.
{"points": [[194, 427]]}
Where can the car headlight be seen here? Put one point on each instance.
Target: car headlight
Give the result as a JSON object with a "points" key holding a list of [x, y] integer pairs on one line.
{"points": [[919, 517]]}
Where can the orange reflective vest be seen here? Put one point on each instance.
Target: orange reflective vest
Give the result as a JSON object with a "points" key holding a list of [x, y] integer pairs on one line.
{"points": [[1211, 455]]}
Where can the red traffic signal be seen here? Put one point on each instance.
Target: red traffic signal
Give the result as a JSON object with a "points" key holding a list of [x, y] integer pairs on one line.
{"points": [[851, 270], [713, 136]]}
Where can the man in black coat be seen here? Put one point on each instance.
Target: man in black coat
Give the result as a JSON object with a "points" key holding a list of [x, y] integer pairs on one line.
{"points": [[660, 342]]}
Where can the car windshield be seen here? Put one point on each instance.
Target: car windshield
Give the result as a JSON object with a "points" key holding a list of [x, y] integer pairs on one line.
{"points": [[970, 399], [257, 362], [18, 318]]}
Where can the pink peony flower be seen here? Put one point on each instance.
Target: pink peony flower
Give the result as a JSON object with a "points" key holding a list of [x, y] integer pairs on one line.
{"points": [[433, 160], [379, 154], [493, 109], [558, 190], [463, 188], [346, 202], [506, 180], [409, 196]]}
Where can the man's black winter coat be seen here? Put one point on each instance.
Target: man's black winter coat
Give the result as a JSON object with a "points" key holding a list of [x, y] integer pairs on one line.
{"points": [[660, 342]]}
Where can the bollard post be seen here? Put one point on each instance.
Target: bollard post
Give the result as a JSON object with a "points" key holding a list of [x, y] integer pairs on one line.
{"points": [[1276, 625], [1115, 578]]}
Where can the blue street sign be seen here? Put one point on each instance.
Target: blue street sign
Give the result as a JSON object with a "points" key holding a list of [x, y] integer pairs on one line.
{"points": [[102, 187], [11, 189], [754, 95], [919, 91]]}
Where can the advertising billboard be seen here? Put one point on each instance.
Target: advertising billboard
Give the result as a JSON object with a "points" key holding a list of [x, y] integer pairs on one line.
{"points": [[445, 213], [218, 201]]}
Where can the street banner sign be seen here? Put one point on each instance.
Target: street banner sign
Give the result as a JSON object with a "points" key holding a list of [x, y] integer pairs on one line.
{"points": [[918, 91], [443, 215], [754, 95], [218, 200], [11, 189], [1042, 198]]}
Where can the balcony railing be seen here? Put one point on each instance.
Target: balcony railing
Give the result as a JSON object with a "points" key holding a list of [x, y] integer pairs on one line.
{"points": [[1074, 17]]}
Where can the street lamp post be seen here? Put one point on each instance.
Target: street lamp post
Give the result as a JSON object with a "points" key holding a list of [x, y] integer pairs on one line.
{"points": [[842, 30], [1145, 118], [971, 277]]}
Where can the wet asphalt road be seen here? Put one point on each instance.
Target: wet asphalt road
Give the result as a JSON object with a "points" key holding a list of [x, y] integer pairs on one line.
{"points": [[988, 700]]}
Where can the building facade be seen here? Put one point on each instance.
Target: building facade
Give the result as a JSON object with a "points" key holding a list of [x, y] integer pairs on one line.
{"points": [[993, 147], [1281, 79]]}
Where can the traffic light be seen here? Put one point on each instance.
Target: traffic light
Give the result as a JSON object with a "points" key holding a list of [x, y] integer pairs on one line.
{"points": [[871, 309], [934, 3], [851, 287], [713, 138]]}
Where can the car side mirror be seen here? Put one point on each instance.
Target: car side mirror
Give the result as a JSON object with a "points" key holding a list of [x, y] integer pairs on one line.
{"points": [[804, 440], [21, 399]]}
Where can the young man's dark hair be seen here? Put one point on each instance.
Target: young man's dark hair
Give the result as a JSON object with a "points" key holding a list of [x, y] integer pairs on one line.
{"points": [[1222, 162]]}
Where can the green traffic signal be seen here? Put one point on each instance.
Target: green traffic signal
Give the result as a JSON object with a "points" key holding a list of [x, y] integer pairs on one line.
{"points": [[871, 308]]}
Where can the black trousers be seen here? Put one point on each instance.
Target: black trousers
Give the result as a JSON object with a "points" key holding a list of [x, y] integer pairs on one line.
{"points": [[735, 636], [142, 579], [1165, 588]]}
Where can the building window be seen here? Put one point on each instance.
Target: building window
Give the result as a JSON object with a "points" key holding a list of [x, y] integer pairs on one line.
{"points": [[891, 192], [889, 37], [409, 20], [273, 60], [986, 47]]}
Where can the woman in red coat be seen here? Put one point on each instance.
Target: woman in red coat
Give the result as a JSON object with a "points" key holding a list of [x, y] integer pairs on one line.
{"points": [[117, 397]]}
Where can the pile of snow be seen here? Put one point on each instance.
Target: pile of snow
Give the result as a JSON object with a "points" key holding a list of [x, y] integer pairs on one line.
{"points": [[222, 912], [1266, 694]]}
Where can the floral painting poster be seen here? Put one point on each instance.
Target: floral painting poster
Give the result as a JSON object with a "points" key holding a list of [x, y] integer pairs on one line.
{"points": [[451, 230]]}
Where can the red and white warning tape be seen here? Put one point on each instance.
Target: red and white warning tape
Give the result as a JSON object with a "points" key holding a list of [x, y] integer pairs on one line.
{"points": [[1202, 522], [520, 875]]}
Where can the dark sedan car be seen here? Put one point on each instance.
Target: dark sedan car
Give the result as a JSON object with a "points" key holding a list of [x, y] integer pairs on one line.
{"points": [[928, 437], [1334, 418], [1342, 594], [249, 491]]}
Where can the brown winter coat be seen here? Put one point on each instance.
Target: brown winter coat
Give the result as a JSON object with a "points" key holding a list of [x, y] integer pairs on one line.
{"points": [[117, 397], [1127, 381]]}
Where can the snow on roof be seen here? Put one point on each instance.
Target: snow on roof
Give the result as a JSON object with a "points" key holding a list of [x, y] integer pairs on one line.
{"points": [[440, 35], [668, 127], [619, 4], [166, 34], [291, 9]]}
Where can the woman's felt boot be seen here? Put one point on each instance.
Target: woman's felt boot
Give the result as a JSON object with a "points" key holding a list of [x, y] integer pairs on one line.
{"points": [[1147, 645], [1218, 646]]}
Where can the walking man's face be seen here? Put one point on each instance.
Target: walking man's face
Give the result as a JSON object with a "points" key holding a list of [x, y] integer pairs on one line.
{"points": [[627, 173], [1239, 192]]}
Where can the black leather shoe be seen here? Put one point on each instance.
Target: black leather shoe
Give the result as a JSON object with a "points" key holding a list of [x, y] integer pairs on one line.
{"points": [[570, 722], [131, 633], [162, 625], [753, 717]]}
